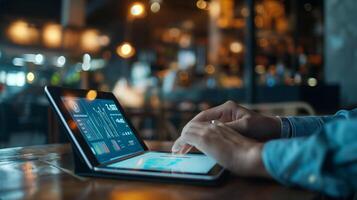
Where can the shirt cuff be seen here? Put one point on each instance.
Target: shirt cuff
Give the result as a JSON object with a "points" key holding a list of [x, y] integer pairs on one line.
{"points": [[286, 131]]}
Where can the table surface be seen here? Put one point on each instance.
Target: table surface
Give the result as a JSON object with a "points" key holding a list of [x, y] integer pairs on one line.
{"points": [[33, 173]]}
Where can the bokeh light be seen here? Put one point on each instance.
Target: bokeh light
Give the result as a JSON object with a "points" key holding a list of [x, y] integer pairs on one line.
{"points": [[21, 32], [155, 7], [30, 77], [91, 95], [52, 35], [90, 40], [125, 50], [236, 47], [137, 9], [312, 82], [202, 4], [61, 61]]}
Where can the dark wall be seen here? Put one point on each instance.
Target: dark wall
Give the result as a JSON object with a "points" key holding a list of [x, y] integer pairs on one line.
{"points": [[35, 9]]}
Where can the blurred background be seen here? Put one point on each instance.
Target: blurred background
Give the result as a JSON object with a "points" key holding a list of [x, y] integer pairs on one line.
{"points": [[166, 60]]}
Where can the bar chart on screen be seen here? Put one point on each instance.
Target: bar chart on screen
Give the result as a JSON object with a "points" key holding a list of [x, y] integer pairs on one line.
{"points": [[101, 119], [103, 126]]}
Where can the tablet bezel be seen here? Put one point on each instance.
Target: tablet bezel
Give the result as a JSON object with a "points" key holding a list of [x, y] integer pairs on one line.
{"points": [[55, 95]]}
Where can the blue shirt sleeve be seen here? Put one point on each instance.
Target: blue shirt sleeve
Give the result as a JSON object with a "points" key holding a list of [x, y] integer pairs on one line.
{"points": [[325, 161], [307, 125]]}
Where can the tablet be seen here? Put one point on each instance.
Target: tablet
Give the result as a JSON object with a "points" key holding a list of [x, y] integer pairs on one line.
{"points": [[106, 140]]}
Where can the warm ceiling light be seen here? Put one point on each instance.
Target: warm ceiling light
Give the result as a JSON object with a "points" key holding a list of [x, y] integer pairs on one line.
{"points": [[125, 50], [90, 40], [214, 9], [236, 47], [52, 35], [202, 4], [210, 69], [155, 7], [137, 9], [21, 32]]}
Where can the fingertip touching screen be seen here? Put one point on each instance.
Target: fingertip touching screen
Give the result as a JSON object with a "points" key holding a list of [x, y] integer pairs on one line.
{"points": [[103, 127]]}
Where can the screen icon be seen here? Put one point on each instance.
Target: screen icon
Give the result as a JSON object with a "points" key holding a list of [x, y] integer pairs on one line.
{"points": [[111, 107]]}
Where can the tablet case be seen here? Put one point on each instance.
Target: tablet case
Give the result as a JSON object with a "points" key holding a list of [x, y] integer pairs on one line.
{"points": [[81, 169]]}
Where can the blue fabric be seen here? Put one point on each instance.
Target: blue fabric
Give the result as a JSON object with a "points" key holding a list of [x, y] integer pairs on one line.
{"points": [[305, 126], [321, 157]]}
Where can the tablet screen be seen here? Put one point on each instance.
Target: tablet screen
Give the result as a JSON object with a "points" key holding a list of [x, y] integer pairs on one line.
{"points": [[160, 161], [103, 127]]}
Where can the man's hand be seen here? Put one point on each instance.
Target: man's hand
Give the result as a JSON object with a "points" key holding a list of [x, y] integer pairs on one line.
{"points": [[244, 121], [233, 151]]}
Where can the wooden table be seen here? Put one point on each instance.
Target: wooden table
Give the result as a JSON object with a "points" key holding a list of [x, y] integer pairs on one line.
{"points": [[31, 173]]}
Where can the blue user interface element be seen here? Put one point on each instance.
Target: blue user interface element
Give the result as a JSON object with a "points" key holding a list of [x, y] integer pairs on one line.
{"points": [[160, 161], [103, 127]]}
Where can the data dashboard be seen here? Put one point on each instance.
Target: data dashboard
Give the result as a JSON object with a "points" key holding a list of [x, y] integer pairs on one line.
{"points": [[103, 127]]}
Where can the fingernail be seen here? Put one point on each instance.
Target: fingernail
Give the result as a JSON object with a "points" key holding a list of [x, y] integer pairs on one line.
{"points": [[175, 149]]}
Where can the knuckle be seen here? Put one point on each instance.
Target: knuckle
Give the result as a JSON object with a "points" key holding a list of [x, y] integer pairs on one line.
{"points": [[187, 127], [230, 103], [202, 113], [184, 133]]}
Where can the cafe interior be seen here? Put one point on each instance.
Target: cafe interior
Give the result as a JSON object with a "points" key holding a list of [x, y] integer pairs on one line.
{"points": [[166, 61]]}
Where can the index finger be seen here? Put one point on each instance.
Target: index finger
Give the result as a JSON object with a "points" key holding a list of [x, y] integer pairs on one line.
{"points": [[217, 112], [185, 142]]}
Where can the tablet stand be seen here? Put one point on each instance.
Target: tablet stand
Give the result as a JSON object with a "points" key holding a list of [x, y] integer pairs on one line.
{"points": [[80, 167]]}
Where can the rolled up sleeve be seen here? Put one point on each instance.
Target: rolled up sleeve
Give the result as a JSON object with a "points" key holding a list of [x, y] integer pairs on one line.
{"points": [[325, 161], [307, 125]]}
